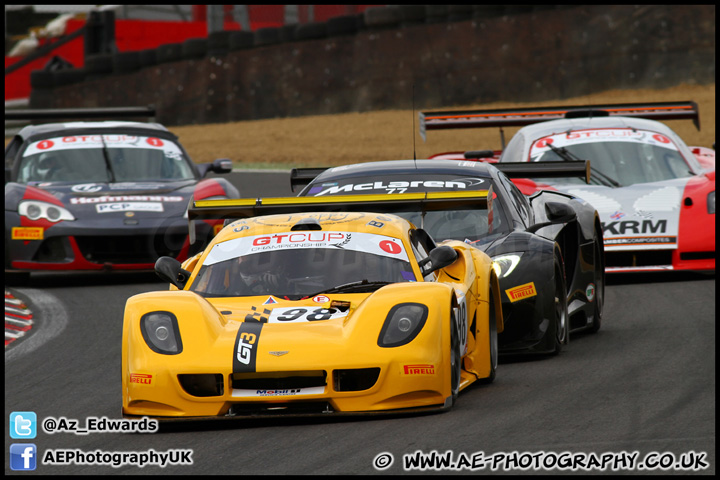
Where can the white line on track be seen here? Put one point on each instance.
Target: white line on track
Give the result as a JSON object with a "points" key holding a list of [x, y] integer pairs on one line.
{"points": [[52, 321]]}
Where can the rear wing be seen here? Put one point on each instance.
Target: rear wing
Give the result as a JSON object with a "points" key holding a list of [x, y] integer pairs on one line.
{"points": [[79, 113], [303, 176], [17, 118], [520, 117], [382, 203], [545, 169]]}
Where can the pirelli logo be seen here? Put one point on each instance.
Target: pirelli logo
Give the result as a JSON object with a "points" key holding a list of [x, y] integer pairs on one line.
{"points": [[27, 233], [422, 369], [143, 378], [521, 291]]}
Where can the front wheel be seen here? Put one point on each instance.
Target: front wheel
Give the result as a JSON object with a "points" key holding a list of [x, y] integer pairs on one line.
{"points": [[493, 343], [561, 327], [455, 357], [17, 279], [599, 285]]}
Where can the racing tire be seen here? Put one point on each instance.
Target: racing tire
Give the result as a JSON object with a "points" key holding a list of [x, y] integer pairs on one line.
{"points": [[455, 358], [561, 325], [494, 349], [17, 279], [599, 285]]}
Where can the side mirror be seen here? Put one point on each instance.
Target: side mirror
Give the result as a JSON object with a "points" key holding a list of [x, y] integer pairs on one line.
{"points": [[479, 154], [439, 257], [170, 270], [220, 165], [557, 213], [560, 211]]}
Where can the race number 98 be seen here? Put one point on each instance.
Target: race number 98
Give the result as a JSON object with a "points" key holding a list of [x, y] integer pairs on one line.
{"points": [[299, 314]]}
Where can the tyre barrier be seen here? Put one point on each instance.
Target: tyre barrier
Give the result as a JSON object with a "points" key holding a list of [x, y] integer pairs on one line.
{"points": [[411, 15], [101, 63], [342, 25], [287, 33], [222, 42], [66, 77], [218, 43], [41, 79], [240, 39], [148, 57], [436, 13], [310, 31], [488, 11], [266, 36], [459, 13], [382, 17], [169, 52], [194, 48], [124, 62]]}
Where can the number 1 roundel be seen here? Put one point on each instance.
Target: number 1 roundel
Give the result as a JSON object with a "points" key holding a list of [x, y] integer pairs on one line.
{"points": [[390, 247]]}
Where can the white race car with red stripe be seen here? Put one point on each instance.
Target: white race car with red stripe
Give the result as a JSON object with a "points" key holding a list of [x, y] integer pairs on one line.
{"points": [[109, 195], [655, 195]]}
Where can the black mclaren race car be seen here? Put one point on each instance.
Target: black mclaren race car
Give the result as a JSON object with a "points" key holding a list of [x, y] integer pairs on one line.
{"points": [[105, 195], [547, 248]]}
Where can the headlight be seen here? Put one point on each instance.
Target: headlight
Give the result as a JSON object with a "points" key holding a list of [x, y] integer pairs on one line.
{"points": [[506, 263], [402, 324], [35, 209], [711, 202], [160, 331]]}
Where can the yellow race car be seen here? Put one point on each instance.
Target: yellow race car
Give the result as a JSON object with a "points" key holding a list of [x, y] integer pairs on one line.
{"points": [[317, 307]]}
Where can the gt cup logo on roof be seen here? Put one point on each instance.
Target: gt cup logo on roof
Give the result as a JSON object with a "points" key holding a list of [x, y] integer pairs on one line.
{"points": [[300, 237]]}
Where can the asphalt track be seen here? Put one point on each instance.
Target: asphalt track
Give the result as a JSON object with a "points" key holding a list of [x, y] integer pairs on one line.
{"points": [[645, 384]]}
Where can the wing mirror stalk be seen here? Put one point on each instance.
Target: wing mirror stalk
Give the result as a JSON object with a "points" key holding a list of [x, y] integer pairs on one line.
{"points": [[557, 213], [439, 257], [170, 270], [220, 165]]}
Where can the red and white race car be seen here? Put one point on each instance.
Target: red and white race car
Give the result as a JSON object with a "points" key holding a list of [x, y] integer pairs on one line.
{"points": [[655, 195]]}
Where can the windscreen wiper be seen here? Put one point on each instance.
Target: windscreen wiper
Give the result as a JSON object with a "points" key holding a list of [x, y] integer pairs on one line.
{"points": [[108, 163], [568, 156], [349, 287]]}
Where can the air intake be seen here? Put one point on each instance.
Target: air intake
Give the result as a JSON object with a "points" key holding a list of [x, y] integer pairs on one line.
{"points": [[307, 224]]}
